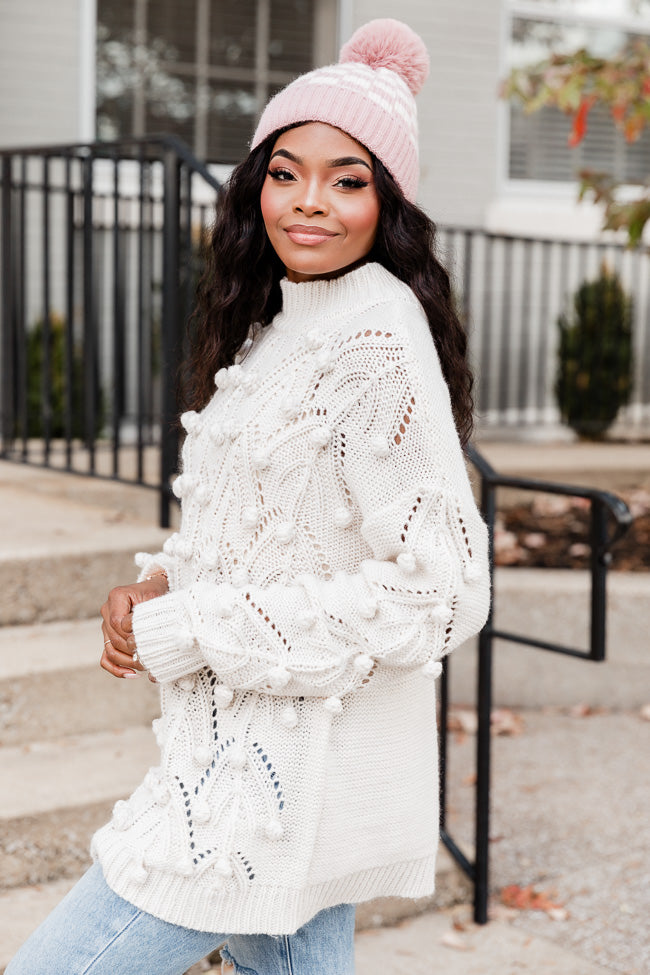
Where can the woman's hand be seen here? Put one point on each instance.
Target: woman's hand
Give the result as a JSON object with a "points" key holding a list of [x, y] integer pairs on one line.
{"points": [[119, 656]]}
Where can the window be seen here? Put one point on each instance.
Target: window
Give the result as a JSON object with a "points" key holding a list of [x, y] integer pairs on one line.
{"points": [[538, 143], [203, 69]]}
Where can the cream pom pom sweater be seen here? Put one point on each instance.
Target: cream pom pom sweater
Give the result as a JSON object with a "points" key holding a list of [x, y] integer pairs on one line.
{"points": [[330, 553]]}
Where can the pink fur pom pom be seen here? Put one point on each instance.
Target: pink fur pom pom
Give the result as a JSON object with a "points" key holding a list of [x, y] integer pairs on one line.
{"points": [[389, 43]]}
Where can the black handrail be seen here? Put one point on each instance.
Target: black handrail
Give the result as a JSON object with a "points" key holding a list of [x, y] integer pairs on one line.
{"points": [[109, 150], [605, 507]]}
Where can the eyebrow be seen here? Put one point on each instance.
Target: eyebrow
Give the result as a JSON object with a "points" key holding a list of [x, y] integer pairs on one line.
{"points": [[330, 163]]}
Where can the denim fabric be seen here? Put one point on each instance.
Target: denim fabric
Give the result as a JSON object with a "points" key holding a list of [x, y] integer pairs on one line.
{"points": [[95, 932]]}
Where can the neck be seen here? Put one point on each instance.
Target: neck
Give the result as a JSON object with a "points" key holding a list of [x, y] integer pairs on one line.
{"points": [[297, 277]]}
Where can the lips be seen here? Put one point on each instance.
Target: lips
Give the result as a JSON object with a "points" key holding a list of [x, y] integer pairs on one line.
{"points": [[308, 234]]}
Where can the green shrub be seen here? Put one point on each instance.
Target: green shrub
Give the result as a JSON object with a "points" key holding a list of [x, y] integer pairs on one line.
{"points": [[35, 349], [594, 377]]}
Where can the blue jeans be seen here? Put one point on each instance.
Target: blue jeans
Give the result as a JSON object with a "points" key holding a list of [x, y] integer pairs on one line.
{"points": [[95, 932]]}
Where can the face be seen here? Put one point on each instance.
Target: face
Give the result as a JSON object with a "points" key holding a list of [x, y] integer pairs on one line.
{"points": [[318, 201]]}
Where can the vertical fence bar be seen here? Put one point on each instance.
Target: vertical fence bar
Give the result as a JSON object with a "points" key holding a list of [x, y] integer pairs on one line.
{"points": [[20, 293], [170, 328], [600, 560], [486, 328], [524, 333], [140, 341], [189, 260], [505, 336], [444, 740], [154, 258], [7, 344], [118, 322], [544, 326], [467, 279], [483, 738], [89, 330], [71, 373], [46, 375]]}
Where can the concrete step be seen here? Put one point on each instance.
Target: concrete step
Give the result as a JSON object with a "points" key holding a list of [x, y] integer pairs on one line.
{"points": [[55, 793], [125, 498], [607, 465], [553, 605], [51, 684], [60, 557]]}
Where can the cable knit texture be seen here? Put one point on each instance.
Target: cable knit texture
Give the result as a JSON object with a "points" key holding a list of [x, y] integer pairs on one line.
{"points": [[330, 553]]}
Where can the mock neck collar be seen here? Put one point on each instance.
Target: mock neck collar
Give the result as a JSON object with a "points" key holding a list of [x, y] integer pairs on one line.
{"points": [[306, 302]]}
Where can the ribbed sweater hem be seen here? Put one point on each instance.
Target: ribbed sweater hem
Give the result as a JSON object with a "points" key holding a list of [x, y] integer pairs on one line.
{"points": [[264, 910]]}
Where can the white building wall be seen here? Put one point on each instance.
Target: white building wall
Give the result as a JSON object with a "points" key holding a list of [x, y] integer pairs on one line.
{"points": [[46, 80], [47, 52], [458, 105], [40, 66]]}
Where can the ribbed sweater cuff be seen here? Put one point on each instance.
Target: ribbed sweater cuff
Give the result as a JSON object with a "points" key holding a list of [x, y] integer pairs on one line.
{"points": [[162, 634]]}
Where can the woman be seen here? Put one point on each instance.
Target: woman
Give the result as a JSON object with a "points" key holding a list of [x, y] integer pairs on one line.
{"points": [[330, 554]]}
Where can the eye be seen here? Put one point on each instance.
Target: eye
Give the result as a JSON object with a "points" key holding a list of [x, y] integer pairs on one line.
{"points": [[281, 175], [351, 182]]}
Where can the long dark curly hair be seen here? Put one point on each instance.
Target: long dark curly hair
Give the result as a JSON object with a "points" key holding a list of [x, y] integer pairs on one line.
{"points": [[240, 283]]}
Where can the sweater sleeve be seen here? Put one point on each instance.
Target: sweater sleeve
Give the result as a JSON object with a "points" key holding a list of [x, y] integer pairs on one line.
{"points": [[423, 592]]}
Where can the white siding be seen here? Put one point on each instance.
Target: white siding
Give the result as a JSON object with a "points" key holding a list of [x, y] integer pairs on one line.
{"points": [[458, 104], [41, 89], [40, 93]]}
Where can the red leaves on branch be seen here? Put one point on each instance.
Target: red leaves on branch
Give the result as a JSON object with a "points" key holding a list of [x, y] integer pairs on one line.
{"points": [[579, 128]]}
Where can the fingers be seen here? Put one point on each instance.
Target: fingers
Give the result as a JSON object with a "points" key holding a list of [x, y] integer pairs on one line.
{"points": [[113, 623], [109, 664], [119, 663], [127, 627], [113, 632], [119, 656]]}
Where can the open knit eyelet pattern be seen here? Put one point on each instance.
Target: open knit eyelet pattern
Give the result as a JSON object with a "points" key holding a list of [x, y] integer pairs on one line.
{"points": [[330, 554]]}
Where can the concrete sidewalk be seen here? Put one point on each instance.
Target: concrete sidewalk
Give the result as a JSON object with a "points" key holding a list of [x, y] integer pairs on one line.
{"points": [[446, 943]]}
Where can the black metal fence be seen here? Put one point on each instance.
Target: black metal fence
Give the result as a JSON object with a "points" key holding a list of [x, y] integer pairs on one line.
{"points": [[609, 520], [99, 257], [99, 251], [511, 291]]}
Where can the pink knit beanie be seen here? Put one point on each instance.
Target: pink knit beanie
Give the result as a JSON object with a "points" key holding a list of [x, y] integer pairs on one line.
{"points": [[368, 94]]}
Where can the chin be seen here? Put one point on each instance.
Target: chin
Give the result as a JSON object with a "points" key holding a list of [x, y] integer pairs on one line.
{"points": [[315, 269]]}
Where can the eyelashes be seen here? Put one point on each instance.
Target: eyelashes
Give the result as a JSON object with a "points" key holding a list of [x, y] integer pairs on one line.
{"points": [[281, 175], [345, 182], [352, 182]]}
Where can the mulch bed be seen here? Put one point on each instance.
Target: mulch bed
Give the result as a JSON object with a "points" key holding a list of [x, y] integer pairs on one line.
{"points": [[552, 532]]}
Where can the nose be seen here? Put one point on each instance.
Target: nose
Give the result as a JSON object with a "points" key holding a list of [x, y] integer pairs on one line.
{"points": [[310, 199]]}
